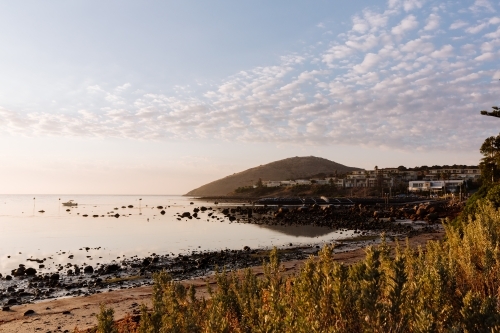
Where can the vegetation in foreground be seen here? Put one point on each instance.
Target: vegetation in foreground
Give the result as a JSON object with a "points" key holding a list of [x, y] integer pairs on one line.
{"points": [[451, 286]]}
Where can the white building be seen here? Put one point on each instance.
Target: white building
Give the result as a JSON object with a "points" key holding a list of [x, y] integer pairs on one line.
{"points": [[271, 183], [434, 185]]}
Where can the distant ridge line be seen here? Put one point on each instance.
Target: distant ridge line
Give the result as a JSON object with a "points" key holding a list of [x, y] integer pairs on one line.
{"points": [[289, 168]]}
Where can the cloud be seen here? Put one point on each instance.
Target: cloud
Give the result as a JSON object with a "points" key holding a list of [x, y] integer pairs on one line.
{"points": [[476, 29], [458, 24], [418, 46], [380, 82], [370, 60], [123, 87], [481, 6], [408, 23], [432, 22], [488, 56], [445, 52], [336, 52]]}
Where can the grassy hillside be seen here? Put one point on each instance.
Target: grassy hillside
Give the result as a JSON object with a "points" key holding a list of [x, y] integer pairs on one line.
{"points": [[290, 168]]}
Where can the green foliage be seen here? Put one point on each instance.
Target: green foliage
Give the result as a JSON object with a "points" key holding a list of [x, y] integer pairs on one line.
{"points": [[493, 196], [472, 206], [452, 286], [105, 320]]}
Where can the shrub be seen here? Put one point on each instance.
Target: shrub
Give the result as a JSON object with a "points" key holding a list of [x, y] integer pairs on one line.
{"points": [[452, 286]]}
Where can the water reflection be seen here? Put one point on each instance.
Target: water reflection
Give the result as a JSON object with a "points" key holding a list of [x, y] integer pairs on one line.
{"points": [[42, 235], [300, 230]]}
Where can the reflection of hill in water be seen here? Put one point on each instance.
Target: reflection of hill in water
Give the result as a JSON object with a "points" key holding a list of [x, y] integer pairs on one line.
{"points": [[299, 231]]}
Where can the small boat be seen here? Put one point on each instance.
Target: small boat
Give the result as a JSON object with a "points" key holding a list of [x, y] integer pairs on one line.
{"points": [[70, 203]]}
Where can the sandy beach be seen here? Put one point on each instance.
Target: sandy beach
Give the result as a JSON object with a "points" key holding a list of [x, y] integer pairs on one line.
{"points": [[63, 315]]}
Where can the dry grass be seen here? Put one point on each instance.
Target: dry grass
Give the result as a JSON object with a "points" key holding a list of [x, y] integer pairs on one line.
{"points": [[452, 286]]}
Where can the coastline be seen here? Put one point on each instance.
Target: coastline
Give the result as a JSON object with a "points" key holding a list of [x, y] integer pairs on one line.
{"points": [[68, 313]]}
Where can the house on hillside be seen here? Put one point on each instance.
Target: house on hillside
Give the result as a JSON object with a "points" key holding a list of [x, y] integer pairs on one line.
{"points": [[271, 183]]}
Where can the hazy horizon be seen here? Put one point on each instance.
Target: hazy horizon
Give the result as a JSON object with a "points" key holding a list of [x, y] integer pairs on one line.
{"points": [[121, 97]]}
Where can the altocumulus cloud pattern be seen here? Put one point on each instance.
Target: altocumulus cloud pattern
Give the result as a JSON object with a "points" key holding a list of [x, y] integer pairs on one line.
{"points": [[412, 75]]}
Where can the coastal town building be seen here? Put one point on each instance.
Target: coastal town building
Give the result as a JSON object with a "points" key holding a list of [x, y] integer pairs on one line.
{"points": [[429, 179], [435, 185]]}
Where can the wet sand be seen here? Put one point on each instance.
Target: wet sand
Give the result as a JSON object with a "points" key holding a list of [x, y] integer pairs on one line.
{"points": [[65, 314]]}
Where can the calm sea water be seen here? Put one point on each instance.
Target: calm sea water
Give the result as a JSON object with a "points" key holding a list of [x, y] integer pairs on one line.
{"points": [[27, 233]]}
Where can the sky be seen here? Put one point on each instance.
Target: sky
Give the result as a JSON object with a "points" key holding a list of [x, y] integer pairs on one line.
{"points": [[160, 97]]}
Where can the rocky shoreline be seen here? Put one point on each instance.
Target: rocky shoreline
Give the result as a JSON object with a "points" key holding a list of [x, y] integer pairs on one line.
{"points": [[26, 285]]}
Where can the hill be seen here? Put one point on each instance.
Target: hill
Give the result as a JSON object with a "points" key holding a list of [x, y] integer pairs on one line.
{"points": [[289, 168]]}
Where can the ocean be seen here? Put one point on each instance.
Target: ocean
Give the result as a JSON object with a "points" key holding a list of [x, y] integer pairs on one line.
{"points": [[56, 234]]}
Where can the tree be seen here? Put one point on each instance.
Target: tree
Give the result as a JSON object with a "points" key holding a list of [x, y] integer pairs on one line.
{"points": [[259, 183], [494, 113], [490, 149]]}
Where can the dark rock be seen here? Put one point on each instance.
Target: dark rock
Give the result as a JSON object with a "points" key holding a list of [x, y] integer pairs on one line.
{"points": [[130, 206], [421, 211], [29, 312], [111, 269], [30, 271], [88, 269], [19, 272], [186, 214], [5, 308], [55, 277], [146, 262], [117, 215], [8, 277], [162, 212], [67, 312], [12, 301]]}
